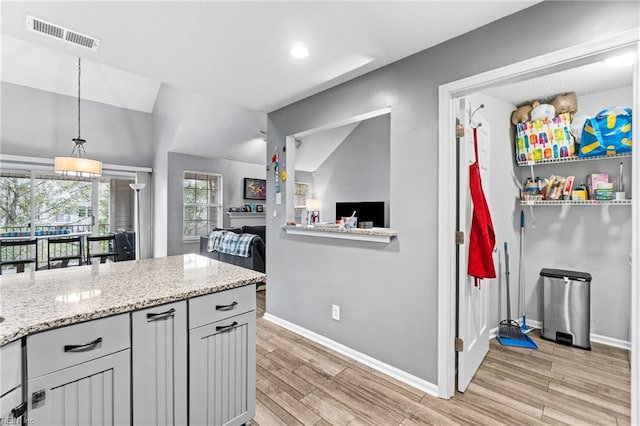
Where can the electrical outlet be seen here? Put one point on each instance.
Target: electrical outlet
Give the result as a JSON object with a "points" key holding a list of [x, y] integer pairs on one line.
{"points": [[335, 312]]}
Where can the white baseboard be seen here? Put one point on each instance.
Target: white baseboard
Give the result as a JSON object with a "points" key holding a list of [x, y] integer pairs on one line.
{"points": [[382, 367], [596, 338], [610, 341]]}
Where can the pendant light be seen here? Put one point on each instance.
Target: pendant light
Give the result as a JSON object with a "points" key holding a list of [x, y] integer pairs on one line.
{"points": [[78, 164]]}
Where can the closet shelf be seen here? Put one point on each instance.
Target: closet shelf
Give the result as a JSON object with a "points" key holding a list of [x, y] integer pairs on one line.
{"points": [[575, 202], [570, 159]]}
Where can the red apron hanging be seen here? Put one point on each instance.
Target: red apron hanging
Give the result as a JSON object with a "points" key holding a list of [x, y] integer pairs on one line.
{"points": [[482, 238]]}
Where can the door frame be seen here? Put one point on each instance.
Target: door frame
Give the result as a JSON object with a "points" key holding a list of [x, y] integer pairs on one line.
{"points": [[447, 201]]}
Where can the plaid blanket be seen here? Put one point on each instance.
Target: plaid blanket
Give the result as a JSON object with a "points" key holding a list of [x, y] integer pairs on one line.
{"points": [[230, 243]]}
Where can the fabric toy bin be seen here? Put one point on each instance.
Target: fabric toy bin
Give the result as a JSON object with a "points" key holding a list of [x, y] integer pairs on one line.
{"points": [[545, 139], [566, 310]]}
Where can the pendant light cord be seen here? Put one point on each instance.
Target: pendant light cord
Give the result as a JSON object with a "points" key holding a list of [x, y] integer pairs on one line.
{"points": [[79, 71], [78, 149]]}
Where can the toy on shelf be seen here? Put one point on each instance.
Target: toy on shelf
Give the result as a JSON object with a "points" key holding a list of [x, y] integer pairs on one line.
{"points": [[565, 102]]}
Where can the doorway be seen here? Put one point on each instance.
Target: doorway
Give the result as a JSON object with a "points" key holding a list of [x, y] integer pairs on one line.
{"points": [[565, 59]]}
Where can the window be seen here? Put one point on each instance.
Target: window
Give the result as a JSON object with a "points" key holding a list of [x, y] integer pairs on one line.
{"points": [[300, 201], [202, 198], [61, 204], [42, 204], [15, 202]]}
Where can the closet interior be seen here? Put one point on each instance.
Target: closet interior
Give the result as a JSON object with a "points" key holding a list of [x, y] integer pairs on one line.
{"points": [[564, 233]]}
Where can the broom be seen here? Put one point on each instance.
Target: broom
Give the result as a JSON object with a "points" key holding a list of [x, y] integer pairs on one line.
{"points": [[521, 281], [509, 332]]}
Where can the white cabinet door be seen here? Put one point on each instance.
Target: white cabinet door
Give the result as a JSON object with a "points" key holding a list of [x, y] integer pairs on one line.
{"points": [[95, 392], [10, 366], [11, 406], [223, 371], [159, 354], [11, 380]]}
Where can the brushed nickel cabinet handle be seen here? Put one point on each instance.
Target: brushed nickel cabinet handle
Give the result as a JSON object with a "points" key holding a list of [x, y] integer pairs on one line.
{"points": [[161, 315], [226, 327], [226, 307], [86, 347]]}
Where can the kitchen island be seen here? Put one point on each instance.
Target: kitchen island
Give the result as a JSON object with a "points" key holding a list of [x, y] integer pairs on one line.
{"points": [[131, 340]]}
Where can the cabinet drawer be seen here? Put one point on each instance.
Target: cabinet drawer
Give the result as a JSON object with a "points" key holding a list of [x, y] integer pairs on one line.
{"points": [[53, 350], [10, 366], [218, 306]]}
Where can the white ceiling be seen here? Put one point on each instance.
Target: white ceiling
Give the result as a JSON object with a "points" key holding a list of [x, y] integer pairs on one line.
{"points": [[231, 51], [584, 80], [32, 65]]}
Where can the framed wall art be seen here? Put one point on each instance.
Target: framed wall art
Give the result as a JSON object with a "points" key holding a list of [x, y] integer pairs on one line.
{"points": [[255, 189]]}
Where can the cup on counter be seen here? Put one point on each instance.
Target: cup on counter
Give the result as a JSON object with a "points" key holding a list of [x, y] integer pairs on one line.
{"points": [[350, 222]]}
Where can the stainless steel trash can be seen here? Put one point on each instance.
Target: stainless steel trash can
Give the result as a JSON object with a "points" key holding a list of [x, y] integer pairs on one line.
{"points": [[566, 315]]}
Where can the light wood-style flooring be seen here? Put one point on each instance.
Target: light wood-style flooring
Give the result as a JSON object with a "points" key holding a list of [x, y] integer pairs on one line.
{"points": [[302, 382]]}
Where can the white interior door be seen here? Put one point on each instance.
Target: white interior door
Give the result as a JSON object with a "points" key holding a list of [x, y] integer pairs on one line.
{"points": [[473, 302]]}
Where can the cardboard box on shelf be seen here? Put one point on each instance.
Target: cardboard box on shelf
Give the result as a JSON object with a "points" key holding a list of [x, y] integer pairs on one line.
{"points": [[593, 179]]}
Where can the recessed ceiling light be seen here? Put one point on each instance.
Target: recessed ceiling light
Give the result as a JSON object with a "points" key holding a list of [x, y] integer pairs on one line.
{"points": [[298, 51], [620, 61]]}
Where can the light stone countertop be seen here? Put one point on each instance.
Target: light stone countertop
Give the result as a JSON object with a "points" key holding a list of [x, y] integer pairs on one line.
{"points": [[385, 234], [31, 302]]}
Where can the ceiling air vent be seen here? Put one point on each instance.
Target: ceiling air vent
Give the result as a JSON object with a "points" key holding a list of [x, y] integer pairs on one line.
{"points": [[61, 33]]}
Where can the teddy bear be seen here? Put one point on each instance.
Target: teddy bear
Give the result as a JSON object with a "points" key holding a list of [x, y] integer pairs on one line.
{"points": [[565, 102], [522, 114]]}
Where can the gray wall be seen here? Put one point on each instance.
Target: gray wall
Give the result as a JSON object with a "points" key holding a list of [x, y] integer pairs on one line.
{"points": [[37, 123], [168, 112], [232, 173], [388, 293], [358, 170]]}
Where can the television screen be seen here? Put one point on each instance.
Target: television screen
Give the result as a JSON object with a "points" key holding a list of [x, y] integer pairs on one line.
{"points": [[366, 211]]}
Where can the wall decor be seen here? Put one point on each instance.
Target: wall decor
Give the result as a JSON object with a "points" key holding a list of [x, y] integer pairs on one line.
{"points": [[255, 189]]}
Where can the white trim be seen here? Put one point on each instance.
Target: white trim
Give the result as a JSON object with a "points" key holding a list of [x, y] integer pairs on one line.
{"points": [[446, 244], [635, 252], [447, 201], [355, 119], [380, 366], [610, 341]]}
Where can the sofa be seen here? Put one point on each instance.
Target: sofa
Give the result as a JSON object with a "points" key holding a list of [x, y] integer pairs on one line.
{"points": [[256, 258]]}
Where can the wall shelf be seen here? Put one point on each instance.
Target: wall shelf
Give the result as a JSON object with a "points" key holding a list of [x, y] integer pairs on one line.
{"points": [[376, 235], [570, 159], [243, 215], [575, 202]]}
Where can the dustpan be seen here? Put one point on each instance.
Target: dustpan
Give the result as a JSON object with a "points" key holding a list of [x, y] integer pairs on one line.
{"points": [[509, 331]]}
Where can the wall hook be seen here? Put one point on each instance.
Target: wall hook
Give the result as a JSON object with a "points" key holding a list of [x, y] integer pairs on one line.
{"points": [[472, 114]]}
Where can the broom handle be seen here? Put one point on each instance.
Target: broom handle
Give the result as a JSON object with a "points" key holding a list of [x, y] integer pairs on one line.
{"points": [[506, 268], [521, 282]]}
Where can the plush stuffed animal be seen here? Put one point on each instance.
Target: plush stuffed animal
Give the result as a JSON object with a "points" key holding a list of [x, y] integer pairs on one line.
{"points": [[542, 111], [565, 102], [522, 114]]}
